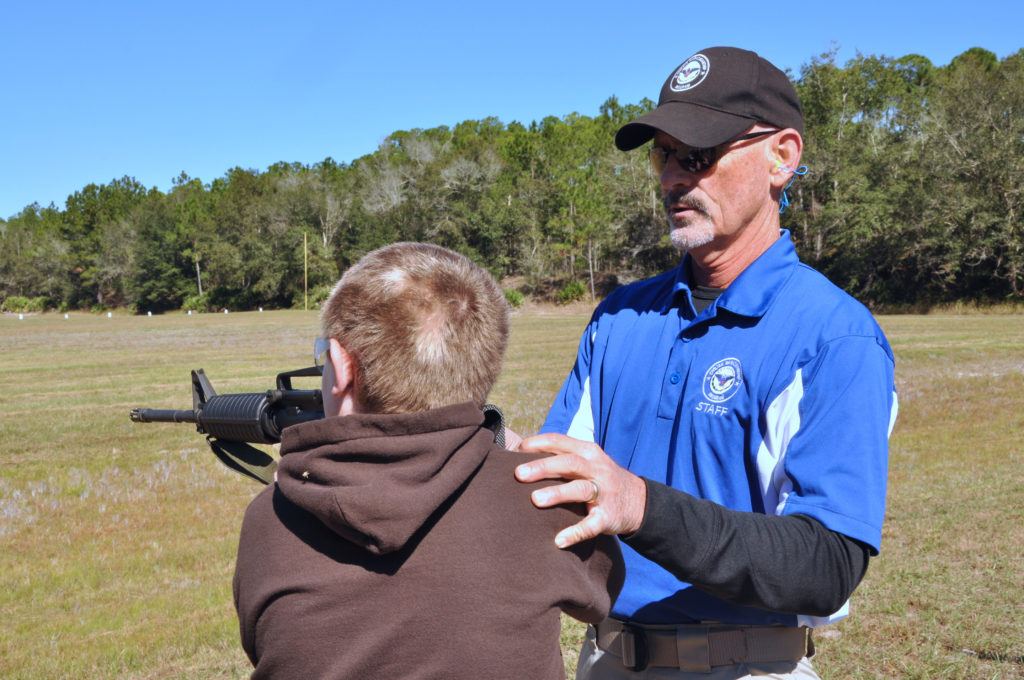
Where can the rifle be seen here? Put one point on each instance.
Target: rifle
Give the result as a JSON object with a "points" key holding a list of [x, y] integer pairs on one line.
{"points": [[231, 420]]}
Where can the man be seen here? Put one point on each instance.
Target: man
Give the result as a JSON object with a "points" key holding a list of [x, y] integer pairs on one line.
{"points": [[728, 419], [396, 542]]}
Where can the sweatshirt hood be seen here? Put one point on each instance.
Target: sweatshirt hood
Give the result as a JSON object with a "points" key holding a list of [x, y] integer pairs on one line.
{"points": [[375, 479]]}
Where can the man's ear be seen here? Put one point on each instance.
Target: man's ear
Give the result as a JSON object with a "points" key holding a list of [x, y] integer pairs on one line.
{"points": [[784, 153], [342, 381]]}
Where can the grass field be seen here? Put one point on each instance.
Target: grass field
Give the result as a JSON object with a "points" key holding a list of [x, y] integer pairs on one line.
{"points": [[117, 540]]}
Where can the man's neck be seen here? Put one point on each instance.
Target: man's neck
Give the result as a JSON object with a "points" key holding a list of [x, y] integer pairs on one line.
{"points": [[717, 266]]}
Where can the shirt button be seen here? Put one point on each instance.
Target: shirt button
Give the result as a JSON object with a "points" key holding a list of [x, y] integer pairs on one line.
{"points": [[674, 378]]}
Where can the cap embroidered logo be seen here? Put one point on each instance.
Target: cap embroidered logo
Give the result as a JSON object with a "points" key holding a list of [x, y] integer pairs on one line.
{"points": [[693, 71]]}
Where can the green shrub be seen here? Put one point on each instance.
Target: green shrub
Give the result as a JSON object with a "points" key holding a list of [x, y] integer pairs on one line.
{"points": [[196, 302], [570, 292], [15, 303], [224, 297], [318, 296], [514, 298], [20, 304]]}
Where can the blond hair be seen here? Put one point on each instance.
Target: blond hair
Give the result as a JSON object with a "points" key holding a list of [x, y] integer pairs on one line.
{"points": [[426, 327]]}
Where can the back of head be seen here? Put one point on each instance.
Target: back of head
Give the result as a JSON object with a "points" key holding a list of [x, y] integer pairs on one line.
{"points": [[426, 326]]}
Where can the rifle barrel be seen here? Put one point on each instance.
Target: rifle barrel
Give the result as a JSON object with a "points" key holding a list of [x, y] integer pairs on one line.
{"points": [[155, 415]]}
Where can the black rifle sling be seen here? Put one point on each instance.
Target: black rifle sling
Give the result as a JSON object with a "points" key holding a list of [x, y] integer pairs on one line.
{"points": [[494, 420], [245, 459]]}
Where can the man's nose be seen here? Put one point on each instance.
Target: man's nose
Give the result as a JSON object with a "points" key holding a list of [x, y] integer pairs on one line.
{"points": [[674, 177]]}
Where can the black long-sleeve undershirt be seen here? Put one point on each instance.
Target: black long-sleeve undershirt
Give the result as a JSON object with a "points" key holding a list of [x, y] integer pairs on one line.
{"points": [[790, 564]]}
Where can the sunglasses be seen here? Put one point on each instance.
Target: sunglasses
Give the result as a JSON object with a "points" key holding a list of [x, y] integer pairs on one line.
{"points": [[320, 349], [696, 160]]}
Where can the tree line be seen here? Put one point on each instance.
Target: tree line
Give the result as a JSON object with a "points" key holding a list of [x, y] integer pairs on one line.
{"points": [[914, 196]]}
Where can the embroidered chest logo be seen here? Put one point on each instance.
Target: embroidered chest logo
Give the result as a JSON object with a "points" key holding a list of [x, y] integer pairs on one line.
{"points": [[691, 73], [723, 380]]}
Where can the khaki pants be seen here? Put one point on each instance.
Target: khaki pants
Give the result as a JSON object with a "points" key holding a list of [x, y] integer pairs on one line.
{"points": [[595, 664]]}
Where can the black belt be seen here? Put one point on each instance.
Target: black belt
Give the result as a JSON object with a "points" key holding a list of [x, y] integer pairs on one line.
{"points": [[699, 647]]}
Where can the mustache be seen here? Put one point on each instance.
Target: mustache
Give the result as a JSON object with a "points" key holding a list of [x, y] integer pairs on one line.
{"points": [[677, 197]]}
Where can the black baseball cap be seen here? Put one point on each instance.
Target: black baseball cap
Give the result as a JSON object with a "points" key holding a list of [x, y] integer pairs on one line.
{"points": [[716, 95]]}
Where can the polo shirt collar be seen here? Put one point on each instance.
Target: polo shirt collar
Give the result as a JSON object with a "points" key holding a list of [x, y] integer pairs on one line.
{"points": [[754, 289]]}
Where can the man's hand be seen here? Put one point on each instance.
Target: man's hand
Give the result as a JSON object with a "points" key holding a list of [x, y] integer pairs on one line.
{"points": [[615, 497]]}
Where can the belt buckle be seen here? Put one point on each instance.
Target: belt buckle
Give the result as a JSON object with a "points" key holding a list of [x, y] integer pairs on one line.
{"points": [[635, 656]]}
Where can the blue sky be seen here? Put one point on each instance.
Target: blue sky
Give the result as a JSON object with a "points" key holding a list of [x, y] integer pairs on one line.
{"points": [[94, 91]]}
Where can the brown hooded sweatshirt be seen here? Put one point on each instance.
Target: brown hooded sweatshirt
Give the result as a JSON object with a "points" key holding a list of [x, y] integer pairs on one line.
{"points": [[402, 546]]}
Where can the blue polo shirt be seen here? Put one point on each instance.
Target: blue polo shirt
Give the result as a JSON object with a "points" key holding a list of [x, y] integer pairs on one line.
{"points": [[778, 398]]}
